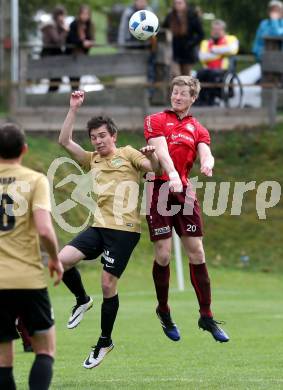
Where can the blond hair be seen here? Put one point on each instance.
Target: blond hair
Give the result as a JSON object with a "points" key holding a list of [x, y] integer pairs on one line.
{"points": [[191, 82]]}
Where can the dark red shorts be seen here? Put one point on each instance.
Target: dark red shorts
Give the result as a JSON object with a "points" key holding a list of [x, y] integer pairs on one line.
{"points": [[166, 210]]}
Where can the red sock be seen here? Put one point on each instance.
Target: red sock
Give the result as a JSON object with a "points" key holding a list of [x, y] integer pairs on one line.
{"points": [[201, 283], [161, 276], [23, 333]]}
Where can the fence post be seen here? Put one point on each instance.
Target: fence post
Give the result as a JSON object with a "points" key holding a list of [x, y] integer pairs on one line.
{"points": [[179, 262], [272, 106]]}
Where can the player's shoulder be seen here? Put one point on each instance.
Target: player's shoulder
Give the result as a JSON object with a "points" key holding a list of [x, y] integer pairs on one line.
{"points": [[155, 119], [127, 151], [28, 174], [92, 154], [156, 115], [195, 124]]}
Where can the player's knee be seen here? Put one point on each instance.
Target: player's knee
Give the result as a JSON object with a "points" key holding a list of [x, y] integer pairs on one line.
{"points": [[6, 354], [163, 258], [162, 255], [197, 256], [48, 348], [64, 261], [108, 286], [44, 343], [6, 361], [46, 351]]}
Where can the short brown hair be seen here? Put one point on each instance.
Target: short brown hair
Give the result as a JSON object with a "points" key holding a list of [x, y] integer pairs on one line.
{"points": [[98, 121], [190, 81], [12, 141]]}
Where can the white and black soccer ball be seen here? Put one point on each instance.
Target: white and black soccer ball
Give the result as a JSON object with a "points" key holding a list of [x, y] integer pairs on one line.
{"points": [[143, 25]]}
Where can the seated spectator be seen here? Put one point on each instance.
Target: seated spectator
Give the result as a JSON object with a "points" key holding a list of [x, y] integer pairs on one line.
{"points": [[80, 37], [273, 26], [185, 24], [54, 35], [215, 55]]}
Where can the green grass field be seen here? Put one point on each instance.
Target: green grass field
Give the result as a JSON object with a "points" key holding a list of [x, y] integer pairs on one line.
{"points": [[248, 297], [143, 358]]}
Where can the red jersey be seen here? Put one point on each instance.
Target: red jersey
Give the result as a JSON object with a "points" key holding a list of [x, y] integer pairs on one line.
{"points": [[182, 136]]}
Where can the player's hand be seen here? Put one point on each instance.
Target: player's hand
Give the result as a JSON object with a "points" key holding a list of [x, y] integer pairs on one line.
{"points": [[57, 267], [175, 183], [77, 98], [207, 167], [148, 150]]}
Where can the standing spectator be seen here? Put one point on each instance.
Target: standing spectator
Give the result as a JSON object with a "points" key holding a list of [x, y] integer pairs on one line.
{"points": [[215, 55], [186, 27], [54, 35], [273, 26], [80, 37]]}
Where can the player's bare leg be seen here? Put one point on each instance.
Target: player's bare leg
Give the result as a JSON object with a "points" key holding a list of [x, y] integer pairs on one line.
{"points": [[201, 283], [6, 366], [69, 257]]}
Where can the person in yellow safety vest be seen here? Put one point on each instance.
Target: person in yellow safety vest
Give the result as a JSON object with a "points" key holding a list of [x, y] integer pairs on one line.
{"points": [[215, 55]]}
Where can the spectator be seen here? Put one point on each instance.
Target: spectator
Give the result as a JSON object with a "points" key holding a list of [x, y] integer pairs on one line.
{"points": [[54, 35], [273, 26], [125, 38], [186, 27], [215, 55], [80, 37]]}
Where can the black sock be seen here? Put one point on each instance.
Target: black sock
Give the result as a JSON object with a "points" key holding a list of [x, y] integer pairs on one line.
{"points": [[7, 381], [73, 281], [41, 372], [109, 309]]}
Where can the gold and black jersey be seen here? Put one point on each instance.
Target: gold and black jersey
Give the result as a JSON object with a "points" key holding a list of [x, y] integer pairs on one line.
{"points": [[22, 191], [115, 184]]}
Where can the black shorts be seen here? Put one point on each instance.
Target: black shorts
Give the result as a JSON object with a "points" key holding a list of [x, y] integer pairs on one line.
{"points": [[114, 246], [34, 308]]}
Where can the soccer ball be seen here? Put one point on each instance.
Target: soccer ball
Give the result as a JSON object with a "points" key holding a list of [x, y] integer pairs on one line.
{"points": [[143, 25]]}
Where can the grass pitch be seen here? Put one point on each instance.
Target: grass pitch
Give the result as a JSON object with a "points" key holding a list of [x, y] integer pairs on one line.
{"points": [[143, 358], [248, 300]]}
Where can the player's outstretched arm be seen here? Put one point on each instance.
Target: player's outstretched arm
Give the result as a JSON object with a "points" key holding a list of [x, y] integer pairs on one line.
{"points": [[161, 150], [44, 227], [152, 163], [206, 159], [66, 133]]}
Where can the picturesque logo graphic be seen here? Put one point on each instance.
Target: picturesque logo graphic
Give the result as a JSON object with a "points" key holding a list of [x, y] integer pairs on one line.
{"points": [[89, 189]]}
